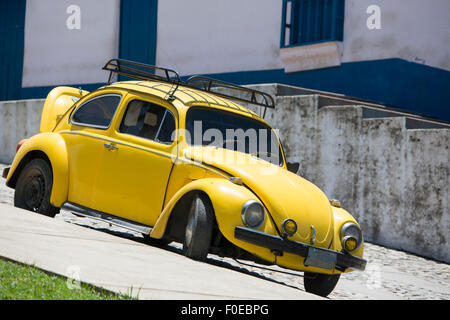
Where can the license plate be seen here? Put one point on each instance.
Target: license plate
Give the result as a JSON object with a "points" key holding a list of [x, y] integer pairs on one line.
{"points": [[321, 258]]}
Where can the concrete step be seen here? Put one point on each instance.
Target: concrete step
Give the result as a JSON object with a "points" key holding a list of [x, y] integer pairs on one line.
{"points": [[370, 109]]}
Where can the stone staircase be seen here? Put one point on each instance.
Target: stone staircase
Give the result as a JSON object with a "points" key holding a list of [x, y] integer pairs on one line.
{"points": [[389, 168]]}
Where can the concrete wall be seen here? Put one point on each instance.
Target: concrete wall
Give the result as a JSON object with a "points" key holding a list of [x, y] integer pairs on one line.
{"points": [[18, 120]]}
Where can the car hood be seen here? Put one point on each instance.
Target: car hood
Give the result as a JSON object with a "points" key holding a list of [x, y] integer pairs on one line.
{"points": [[284, 194]]}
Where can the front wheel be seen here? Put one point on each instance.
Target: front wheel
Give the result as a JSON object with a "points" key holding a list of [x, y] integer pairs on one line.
{"points": [[199, 228], [320, 284], [34, 187]]}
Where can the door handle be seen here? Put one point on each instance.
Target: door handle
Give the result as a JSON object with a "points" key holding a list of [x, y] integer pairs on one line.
{"points": [[110, 147]]}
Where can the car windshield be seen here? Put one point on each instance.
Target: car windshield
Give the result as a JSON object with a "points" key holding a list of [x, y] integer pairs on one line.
{"points": [[214, 127]]}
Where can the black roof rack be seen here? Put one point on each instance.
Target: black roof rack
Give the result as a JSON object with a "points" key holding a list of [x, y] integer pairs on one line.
{"points": [[148, 72], [143, 71], [247, 95]]}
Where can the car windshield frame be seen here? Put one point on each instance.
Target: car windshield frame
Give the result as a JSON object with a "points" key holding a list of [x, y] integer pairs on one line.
{"points": [[216, 116]]}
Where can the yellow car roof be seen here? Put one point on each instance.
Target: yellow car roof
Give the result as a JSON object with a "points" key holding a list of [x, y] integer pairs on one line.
{"points": [[186, 95]]}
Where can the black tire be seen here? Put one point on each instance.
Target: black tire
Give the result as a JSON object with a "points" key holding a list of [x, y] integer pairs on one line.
{"points": [[155, 242], [34, 187], [320, 284], [199, 228]]}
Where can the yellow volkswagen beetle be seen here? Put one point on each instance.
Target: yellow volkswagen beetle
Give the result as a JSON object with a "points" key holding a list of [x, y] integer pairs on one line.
{"points": [[183, 161]]}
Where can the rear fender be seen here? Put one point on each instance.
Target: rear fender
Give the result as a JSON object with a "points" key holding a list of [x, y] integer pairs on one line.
{"points": [[44, 145]]}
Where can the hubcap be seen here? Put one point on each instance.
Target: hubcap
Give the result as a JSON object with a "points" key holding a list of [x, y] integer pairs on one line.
{"points": [[34, 192]]}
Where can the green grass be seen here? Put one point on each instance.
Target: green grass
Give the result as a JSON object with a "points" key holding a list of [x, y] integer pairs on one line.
{"points": [[21, 282]]}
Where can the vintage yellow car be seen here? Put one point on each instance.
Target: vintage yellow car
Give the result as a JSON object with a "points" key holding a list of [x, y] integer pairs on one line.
{"points": [[183, 161]]}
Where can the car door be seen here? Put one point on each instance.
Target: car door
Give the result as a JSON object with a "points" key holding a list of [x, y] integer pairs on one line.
{"points": [[132, 180], [90, 124]]}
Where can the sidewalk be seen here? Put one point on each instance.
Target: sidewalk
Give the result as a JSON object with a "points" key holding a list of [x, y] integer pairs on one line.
{"points": [[124, 265]]}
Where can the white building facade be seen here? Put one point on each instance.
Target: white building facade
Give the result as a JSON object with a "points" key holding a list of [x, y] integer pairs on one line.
{"points": [[391, 51]]}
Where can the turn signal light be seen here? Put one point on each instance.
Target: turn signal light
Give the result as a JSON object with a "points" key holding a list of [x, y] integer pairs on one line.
{"points": [[289, 227], [350, 243], [21, 142]]}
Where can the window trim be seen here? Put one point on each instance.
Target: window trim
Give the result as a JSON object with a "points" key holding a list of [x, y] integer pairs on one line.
{"points": [[94, 125], [157, 133], [335, 34]]}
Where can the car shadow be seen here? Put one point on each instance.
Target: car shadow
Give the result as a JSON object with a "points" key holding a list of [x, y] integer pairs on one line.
{"points": [[172, 248]]}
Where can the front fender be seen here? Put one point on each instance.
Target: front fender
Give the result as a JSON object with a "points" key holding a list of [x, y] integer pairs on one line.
{"points": [[227, 199], [54, 147], [341, 217]]}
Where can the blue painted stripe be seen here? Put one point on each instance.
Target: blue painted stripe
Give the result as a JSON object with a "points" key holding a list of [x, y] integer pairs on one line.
{"points": [[138, 31], [12, 38]]}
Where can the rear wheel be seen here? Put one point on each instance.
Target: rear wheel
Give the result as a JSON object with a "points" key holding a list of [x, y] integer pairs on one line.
{"points": [[34, 187], [199, 228], [320, 284]]}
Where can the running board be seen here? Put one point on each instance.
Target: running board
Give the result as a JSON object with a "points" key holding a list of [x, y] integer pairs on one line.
{"points": [[101, 216]]}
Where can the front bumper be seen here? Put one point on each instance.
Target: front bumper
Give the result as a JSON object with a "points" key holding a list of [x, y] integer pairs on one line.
{"points": [[5, 172], [315, 257]]}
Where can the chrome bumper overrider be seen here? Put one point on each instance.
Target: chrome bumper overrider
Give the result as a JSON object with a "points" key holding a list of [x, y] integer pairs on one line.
{"points": [[314, 256]]}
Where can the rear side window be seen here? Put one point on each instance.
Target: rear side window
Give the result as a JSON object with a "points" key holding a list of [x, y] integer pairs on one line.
{"points": [[97, 112], [148, 120]]}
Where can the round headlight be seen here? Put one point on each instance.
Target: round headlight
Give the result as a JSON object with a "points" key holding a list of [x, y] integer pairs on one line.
{"points": [[253, 214], [289, 227], [351, 236]]}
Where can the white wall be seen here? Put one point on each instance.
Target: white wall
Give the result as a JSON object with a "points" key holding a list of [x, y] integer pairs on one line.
{"points": [[56, 55], [204, 36], [414, 30]]}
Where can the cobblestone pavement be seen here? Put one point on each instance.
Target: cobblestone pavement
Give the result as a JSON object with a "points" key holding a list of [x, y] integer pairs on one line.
{"points": [[390, 274]]}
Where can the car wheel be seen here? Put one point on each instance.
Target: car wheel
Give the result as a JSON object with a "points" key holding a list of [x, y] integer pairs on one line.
{"points": [[34, 187], [320, 284], [155, 242], [197, 239]]}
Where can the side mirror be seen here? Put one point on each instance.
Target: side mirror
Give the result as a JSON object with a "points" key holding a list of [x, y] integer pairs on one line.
{"points": [[293, 166]]}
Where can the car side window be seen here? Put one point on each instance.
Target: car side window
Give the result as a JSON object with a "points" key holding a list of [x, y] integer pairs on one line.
{"points": [[97, 112], [148, 120]]}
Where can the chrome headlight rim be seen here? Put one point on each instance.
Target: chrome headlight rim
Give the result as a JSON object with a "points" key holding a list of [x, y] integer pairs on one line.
{"points": [[245, 208], [344, 236]]}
